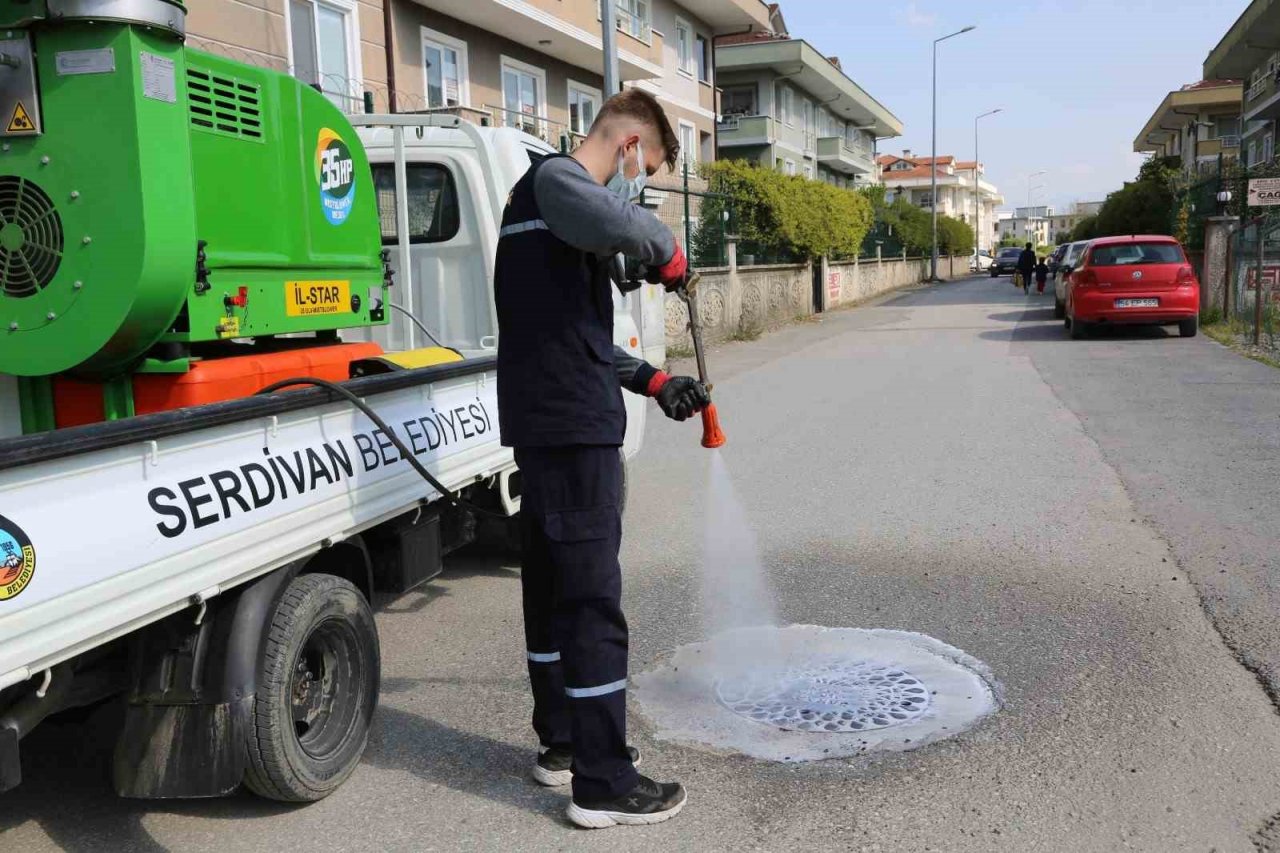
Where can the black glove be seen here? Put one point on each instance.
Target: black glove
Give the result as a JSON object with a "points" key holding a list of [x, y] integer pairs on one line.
{"points": [[682, 397]]}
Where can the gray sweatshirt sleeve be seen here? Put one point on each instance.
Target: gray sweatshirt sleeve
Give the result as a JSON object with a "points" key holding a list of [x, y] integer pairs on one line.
{"points": [[634, 373], [589, 217]]}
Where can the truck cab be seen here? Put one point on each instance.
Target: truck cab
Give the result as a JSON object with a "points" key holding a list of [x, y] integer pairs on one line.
{"points": [[457, 178]]}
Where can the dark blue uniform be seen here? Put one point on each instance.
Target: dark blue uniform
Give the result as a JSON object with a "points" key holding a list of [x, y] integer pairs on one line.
{"points": [[560, 406]]}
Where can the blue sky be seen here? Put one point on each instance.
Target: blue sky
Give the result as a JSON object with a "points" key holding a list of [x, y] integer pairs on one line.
{"points": [[1076, 79]]}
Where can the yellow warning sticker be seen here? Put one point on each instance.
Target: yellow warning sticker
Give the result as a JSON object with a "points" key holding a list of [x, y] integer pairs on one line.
{"points": [[21, 121], [229, 327]]}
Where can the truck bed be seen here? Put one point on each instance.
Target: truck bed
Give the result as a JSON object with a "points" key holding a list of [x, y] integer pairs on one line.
{"points": [[133, 520]]}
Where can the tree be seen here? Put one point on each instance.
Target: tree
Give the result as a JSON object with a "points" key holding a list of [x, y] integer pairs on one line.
{"points": [[1062, 237], [1085, 229], [954, 237], [1145, 206], [1008, 240]]}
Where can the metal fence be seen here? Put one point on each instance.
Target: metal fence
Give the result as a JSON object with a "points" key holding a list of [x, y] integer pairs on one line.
{"points": [[1253, 309]]}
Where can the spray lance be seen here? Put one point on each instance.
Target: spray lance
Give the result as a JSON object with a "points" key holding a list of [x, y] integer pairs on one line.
{"points": [[629, 275], [712, 435]]}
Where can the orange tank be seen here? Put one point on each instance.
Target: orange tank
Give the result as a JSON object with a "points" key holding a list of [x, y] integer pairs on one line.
{"points": [[77, 403]]}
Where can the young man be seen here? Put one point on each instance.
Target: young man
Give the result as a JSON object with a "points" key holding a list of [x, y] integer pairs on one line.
{"points": [[560, 406], [1027, 267]]}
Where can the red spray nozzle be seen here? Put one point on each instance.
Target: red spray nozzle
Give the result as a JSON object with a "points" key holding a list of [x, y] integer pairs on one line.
{"points": [[712, 435]]}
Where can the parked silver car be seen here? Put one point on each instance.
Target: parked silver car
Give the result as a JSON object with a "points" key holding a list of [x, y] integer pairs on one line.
{"points": [[1069, 260]]}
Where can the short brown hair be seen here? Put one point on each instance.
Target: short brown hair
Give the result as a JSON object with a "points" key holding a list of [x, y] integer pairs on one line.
{"points": [[642, 107]]}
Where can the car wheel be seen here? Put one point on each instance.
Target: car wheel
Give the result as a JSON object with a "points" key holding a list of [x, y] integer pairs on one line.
{"points": [[1188, 328], [317, 688], [994, 272], [1079, 330], [1059, 308]]}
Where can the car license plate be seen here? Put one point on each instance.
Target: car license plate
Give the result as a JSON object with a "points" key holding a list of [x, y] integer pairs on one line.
{"points": [[1137, 303]]}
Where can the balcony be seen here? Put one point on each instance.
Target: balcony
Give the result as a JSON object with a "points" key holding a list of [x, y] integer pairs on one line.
{"points": [[744, 130], [1227, 146], [1260, 99], [839, 156]]}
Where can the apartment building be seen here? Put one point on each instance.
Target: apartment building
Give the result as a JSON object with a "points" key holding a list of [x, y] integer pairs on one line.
{"points": [[1250, 51], [533, 64], [1198, 123], [337, 45], [1062, 223], [787, 106], [963, 191], [1027, 225]]}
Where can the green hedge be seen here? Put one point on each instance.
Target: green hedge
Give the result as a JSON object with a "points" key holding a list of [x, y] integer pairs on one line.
{"points": [[784, 216]]}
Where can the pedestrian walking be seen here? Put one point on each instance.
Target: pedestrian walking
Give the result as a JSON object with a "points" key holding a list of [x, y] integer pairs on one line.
{"points": [[560, 406], [1042, 275], [1026, 267]]}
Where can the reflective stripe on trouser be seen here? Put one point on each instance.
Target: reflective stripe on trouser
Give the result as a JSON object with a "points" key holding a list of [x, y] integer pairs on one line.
{"points": [[572, 585]]}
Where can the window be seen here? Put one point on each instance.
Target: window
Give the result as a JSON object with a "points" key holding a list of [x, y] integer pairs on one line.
{"points": [[789, 167], [807, 109], [444, 61], [808, 171], [738, 101], [1268, 149], [523, 95], [785, 105], [1225, 126], [1136, 253], [702, 56], [320, 40], [1252, 159], [584, 103], [684, 46], [688, 145], [633, 18], [433, 203]]}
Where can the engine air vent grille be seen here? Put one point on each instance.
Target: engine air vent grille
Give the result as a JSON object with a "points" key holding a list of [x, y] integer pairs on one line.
{"points": [[224, 105], [31, 239]]}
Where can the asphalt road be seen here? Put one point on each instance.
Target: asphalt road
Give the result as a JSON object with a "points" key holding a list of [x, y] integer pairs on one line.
{"points": [[1093, 520]]}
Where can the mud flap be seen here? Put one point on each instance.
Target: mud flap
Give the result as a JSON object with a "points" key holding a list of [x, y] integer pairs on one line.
{"points": [[10, 766], [176, 751]]}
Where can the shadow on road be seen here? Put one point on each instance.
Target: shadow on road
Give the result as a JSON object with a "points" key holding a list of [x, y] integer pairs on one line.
{"points": [[463, 761], [67, 792]]}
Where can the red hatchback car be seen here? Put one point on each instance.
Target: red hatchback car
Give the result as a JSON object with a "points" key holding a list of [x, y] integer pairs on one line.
{"points": [[1139, 279]]}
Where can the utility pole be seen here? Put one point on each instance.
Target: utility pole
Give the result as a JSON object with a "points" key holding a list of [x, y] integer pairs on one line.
{"points": [[933, 164], [1030, 189], [977, 201], [609, 46]]}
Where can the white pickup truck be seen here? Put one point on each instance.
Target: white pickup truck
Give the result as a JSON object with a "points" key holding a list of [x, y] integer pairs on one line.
{"points": [[215, 565]]}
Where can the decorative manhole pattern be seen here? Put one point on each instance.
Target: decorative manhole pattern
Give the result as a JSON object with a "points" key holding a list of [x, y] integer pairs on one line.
{"points": [[836, 696]]}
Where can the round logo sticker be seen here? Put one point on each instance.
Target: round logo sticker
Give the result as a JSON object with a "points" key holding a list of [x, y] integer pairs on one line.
{"points": [[335, 171], [17, 559]]}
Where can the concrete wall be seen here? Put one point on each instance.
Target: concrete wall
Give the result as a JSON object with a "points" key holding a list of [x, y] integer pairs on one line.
{"points": [[733, 300], [856, 281]]}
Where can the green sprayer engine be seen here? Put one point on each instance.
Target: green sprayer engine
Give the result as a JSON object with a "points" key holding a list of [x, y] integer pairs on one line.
{"points": [[156, 200]]}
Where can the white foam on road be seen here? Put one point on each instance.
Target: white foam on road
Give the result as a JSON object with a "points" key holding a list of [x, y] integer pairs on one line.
{"points": [[807, 693]]}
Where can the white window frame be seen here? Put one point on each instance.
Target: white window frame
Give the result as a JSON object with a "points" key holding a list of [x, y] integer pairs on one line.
{"points": [[442, 40], [582, 89], [788, 166], [1268, 149], [789, 105], [682, 125], [1252, 158], [808, 171], [684, 64], [539, 74], [707, 59], [352, 16]]}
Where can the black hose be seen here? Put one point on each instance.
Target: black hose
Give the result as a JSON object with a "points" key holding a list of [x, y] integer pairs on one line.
{"points": [[408, 455]]}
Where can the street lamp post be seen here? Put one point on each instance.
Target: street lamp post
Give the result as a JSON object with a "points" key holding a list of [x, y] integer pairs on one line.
{"points": [[1031, 189], [933, 164], [977, 201]]}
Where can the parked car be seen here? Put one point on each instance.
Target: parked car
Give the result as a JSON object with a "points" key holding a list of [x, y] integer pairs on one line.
{"points": [[1143, 279], [1006, 261], [1069, 259], [981, 261], [1055, 258]]}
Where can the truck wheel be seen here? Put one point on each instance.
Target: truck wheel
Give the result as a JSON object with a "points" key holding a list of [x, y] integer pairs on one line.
{"points": [[317, 688]]}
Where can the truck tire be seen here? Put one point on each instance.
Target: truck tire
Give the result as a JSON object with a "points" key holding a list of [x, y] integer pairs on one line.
{"points": [[317, 688]]}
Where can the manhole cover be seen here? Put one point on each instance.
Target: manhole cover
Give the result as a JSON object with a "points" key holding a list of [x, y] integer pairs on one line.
{"points": [[806, 693], [841, 696]]}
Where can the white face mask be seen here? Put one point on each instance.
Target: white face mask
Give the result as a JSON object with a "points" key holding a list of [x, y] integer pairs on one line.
{"points": [[629, 189]]}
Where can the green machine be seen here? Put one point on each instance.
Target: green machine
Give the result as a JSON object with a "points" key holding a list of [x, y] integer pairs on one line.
{"points": [[155, 200]]}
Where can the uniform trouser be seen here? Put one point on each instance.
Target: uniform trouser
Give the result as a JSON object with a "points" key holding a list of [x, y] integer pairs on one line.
{"points": [[575, 633]]}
